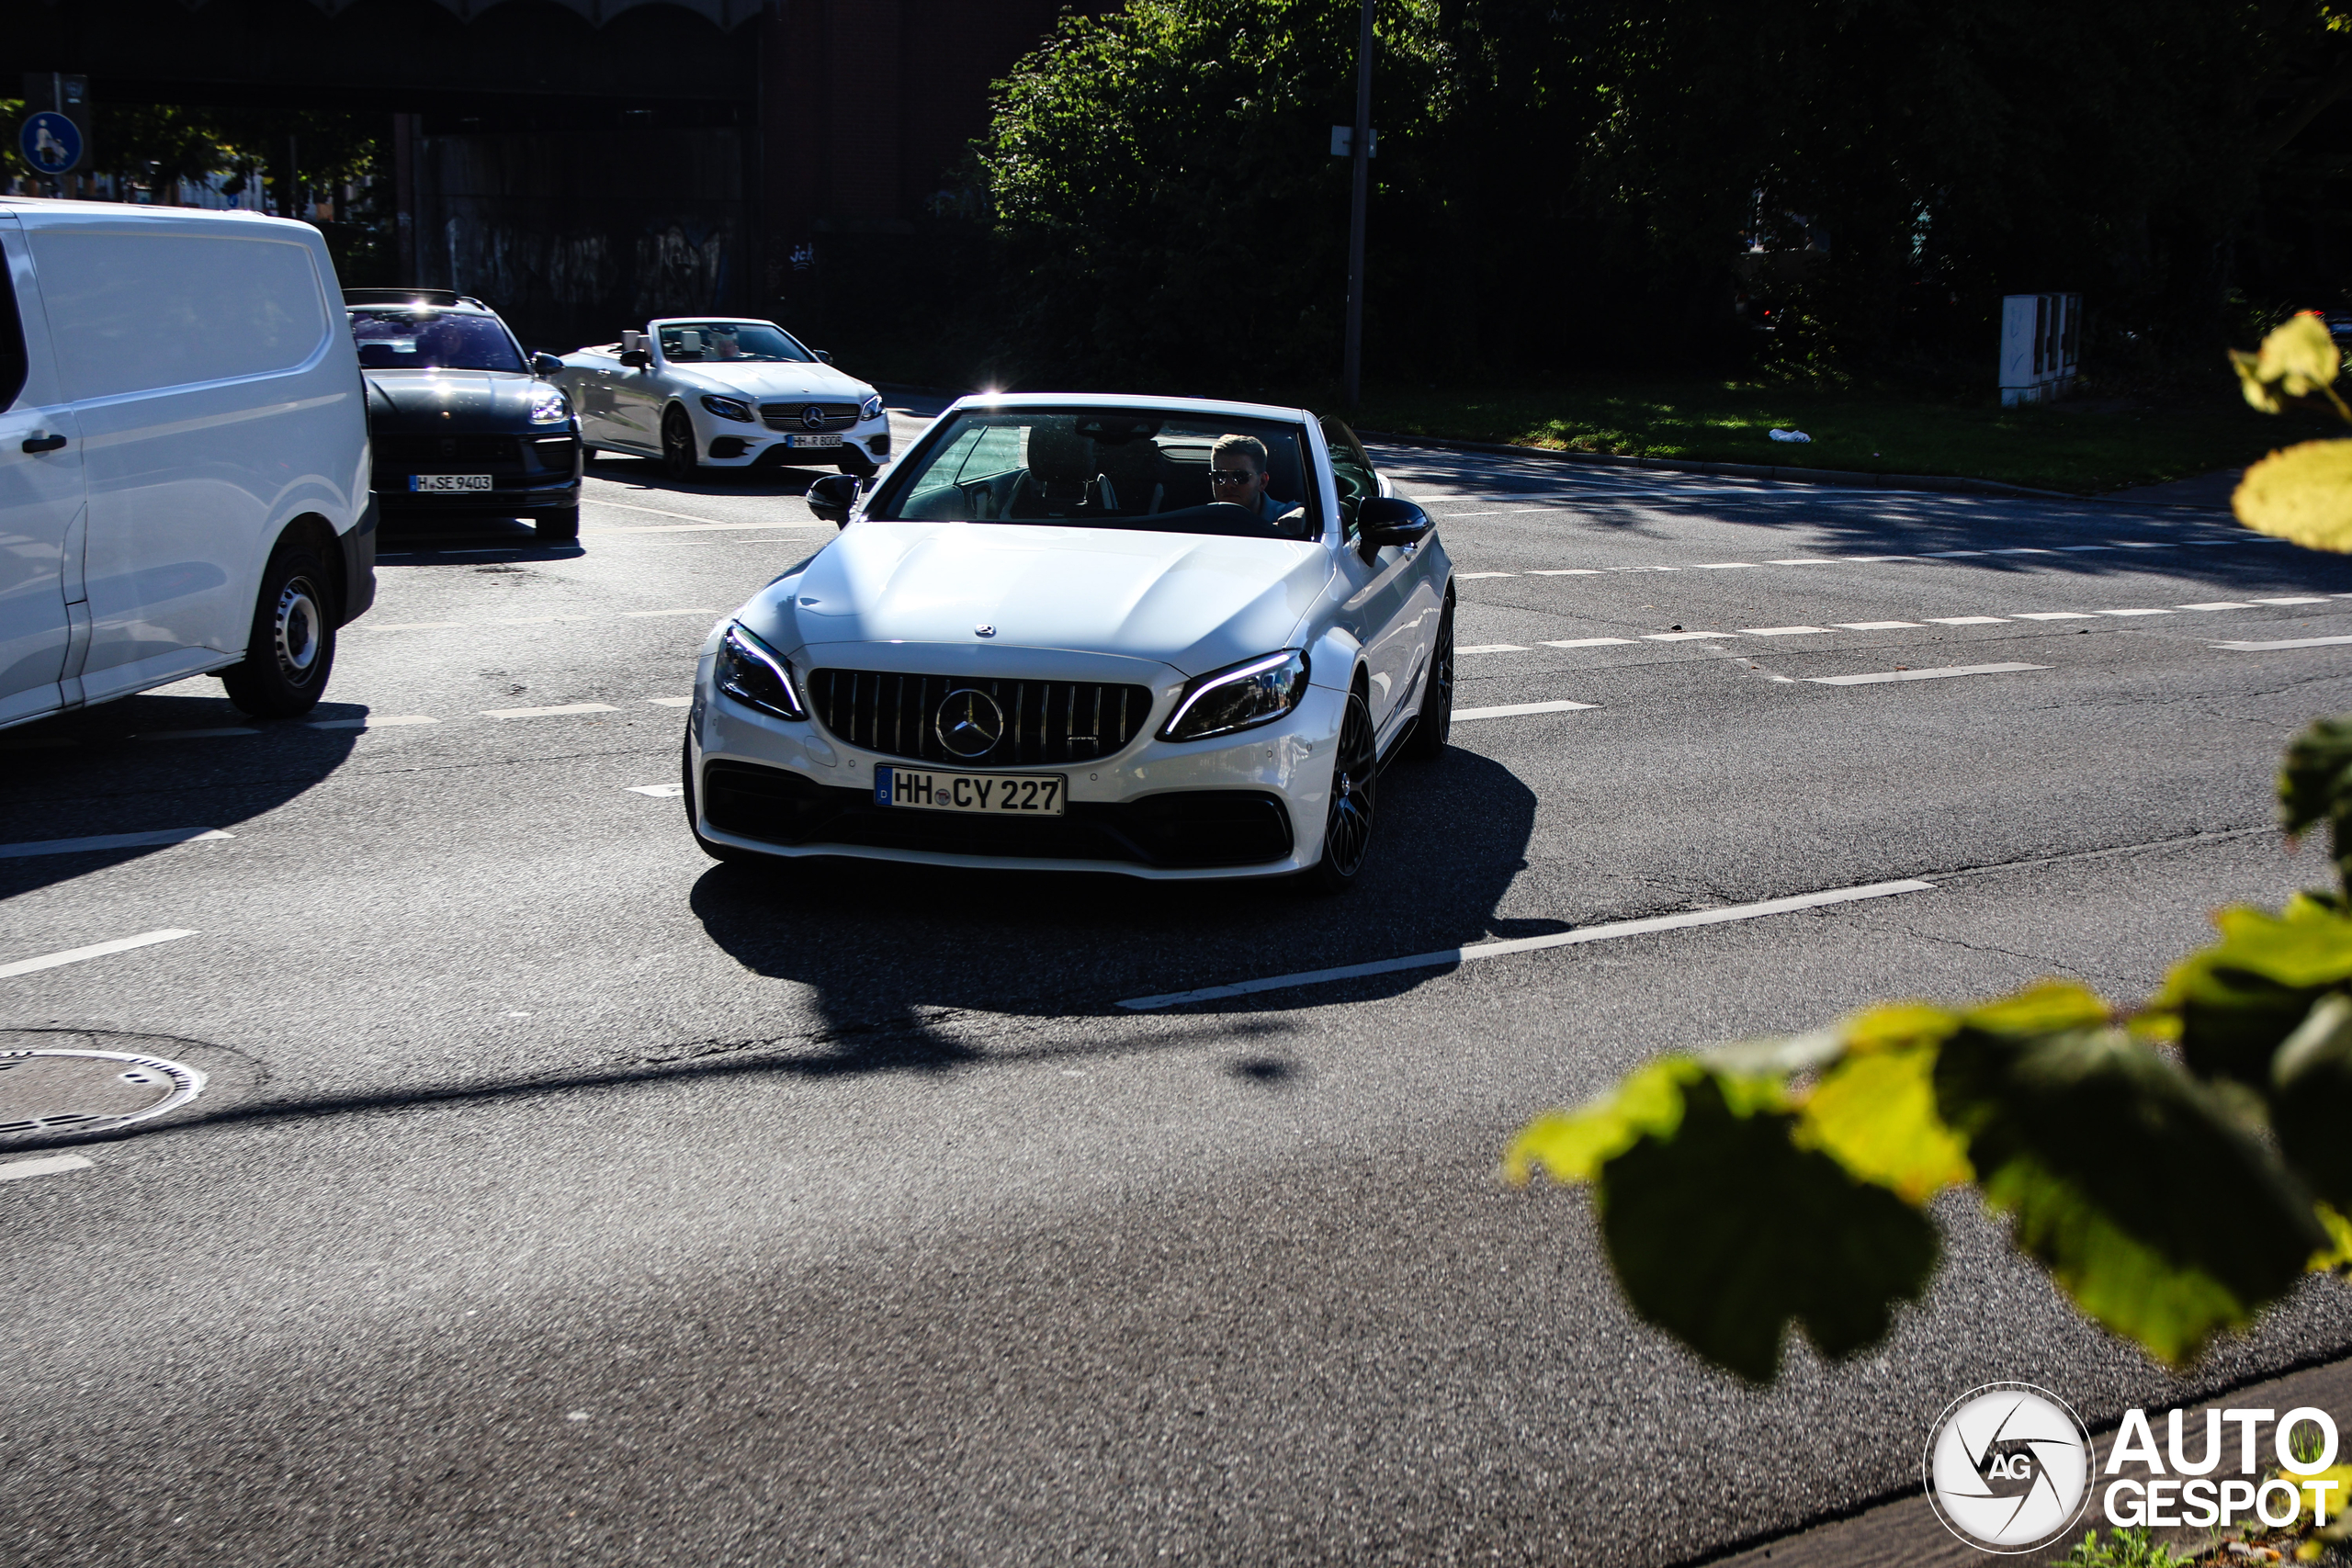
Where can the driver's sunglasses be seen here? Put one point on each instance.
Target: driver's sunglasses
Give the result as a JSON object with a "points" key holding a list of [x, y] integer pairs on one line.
{"points": [[1230, 475]]}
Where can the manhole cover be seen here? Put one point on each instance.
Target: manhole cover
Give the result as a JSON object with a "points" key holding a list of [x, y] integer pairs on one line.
{"points": [[59, 1091]]}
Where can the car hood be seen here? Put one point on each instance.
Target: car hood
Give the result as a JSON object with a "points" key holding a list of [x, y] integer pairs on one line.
{"points": [[817, 382], [416, 399], [1191, 601]]}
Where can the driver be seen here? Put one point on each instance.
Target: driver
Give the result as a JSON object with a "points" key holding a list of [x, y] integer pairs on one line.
{"points": [[1237, 475]]}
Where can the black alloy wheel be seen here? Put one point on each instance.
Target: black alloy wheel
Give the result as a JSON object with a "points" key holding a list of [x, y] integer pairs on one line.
{"points": [[678, 459], [292, 649], [1355, 776], [1436, 720]]}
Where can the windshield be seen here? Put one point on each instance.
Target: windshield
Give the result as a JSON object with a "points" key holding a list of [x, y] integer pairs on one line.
{"points": [[701, 343], [431, 339], [1108, 468]]}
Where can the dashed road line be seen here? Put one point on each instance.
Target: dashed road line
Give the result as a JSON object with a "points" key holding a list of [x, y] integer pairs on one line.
{"points": [[1681, 637], [102, 841], [1873, 678], [548, 712], [370, 721], [660, 791], [2054, 615], [1783, 631], [96, 949], [48, 1165], [2135, 612], [1877, 625], [1512, 710], [672, 702], [1494, 647], [2290, 642], [1592, 642], [1966, 620], [1448, 957]]}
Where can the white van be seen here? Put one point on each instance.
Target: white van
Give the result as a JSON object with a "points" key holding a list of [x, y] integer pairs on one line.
{"points": [[184, 458]]}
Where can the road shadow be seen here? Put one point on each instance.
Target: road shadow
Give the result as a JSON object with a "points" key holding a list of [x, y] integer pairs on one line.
{"points": [[891, 952], [150, 763]]}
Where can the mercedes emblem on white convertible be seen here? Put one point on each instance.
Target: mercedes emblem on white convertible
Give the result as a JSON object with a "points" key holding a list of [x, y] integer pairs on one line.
{"points": [[969, 722], [813, 416]]}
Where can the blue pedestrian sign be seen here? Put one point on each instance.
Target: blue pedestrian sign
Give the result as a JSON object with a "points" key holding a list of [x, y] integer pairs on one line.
{"points": [[51, 143]]}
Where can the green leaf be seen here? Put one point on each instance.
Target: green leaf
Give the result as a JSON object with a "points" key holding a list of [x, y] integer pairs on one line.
{"points": [[1875, 1114], [2298, 355], [2302, 494], [1572, 1145], [2043, 1007], [2315, 785], [2311, 1100], [1724, 1231], [2237, 999], [2161, 1217]]}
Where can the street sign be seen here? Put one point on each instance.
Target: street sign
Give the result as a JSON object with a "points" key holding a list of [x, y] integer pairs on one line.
{"points": [[51, 142], [1343, 142]]}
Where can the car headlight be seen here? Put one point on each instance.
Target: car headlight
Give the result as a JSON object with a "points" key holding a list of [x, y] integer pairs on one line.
{"points": [[871, 408], [548, 406], [1240, 697], [756, 675], [729, 408]]}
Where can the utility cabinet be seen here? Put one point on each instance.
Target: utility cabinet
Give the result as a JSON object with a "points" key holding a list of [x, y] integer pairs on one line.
{"points": [[2041, 344]]}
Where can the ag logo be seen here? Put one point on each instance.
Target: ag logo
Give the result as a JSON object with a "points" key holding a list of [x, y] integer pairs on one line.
{"points": [[2008, 1467]]}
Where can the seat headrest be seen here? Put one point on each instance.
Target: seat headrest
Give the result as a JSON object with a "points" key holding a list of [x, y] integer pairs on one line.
{"points": [[1060, 456]]}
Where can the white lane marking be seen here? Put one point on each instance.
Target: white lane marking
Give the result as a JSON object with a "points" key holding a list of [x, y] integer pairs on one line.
{"points": [[1679, 637], [372, 721], [1468, 576], [1592, 642], [672, 702], [1782, 631], [1569, 572], [2299, 600], [1513, 710], [1951, 555], [51, 1165], [2135, 612], [548, 712], [2290, 642], [2021, 550], [1454, 955], [1720, 565], [698, 527], [2072, 550], [1964, 620], [2138, 545], [108, 841], [1494, 647], [197, 734], [1877, 625], [1872, 679], [2053, 615], [1804, 560], [2221, 604], [672, 791], [657, 512], [96, 949]]}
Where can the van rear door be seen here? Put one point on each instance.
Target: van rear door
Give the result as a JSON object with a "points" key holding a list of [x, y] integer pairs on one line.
{"points": [[44, 623]]}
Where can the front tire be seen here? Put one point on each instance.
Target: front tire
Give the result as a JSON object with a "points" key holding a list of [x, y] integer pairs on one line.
{"points": [[1347, 825], [679, 459], [291, 650], [1435, 722], [558, 525]]}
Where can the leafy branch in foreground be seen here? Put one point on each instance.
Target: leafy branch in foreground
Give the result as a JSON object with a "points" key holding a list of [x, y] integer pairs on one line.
{"points": [[2176, 1167]]}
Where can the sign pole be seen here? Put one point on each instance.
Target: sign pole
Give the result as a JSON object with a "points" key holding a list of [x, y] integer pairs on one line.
{"points": [[1360, 167]]}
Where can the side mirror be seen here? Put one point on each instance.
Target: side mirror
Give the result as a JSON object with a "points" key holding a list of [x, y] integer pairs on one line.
{"points": [[831, 497], [545, 364], [636, 358], [1385, 520], [824, 353]]}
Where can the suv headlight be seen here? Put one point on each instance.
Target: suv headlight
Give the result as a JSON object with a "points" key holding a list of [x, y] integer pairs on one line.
{"points": [[729, 408], [871, 408], [756, 675], [1240, 697], [548, 406]]}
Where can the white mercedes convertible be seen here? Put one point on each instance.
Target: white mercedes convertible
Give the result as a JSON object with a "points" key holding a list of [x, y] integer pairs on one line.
{"points": [[724, 392], [1168, 637]]}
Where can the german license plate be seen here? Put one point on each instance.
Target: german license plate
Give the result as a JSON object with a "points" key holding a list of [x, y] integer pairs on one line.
{"points": [[441, 484], [813, 440], [1018, 795]]}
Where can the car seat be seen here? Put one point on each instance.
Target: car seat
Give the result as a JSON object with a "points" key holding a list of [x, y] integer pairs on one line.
{"points": [[1129, 481], [1061, 473]]}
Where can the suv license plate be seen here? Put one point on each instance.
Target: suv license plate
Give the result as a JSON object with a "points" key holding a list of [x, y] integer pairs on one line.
{"points": [[812, 440], [1022, 794], [436, 484]]}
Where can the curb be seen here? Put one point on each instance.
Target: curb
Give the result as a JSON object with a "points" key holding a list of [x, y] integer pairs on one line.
{"points": [[1934, 484]]}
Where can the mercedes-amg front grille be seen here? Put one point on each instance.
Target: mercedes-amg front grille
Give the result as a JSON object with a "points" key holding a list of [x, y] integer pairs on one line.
{"points": [[989, 723], [793, 416]]}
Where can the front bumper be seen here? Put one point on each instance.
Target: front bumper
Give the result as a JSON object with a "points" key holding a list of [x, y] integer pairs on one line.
{"points": [[729, 445], [1250, 804], [537, 470]]}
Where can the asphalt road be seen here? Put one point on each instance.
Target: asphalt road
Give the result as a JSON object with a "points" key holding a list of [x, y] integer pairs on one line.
{"points": [[561, 1198]]}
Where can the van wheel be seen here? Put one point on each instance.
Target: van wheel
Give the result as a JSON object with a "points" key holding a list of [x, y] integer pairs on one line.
{"points": [[558, 525], [292, 648]]}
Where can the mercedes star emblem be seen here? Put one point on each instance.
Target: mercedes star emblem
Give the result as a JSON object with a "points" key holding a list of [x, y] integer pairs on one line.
{"points": [[813, 416], [983, 629], [969, 722]]}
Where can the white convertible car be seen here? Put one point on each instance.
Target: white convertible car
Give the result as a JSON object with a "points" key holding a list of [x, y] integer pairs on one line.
{"points": [[1163, 637], [723, 392]]}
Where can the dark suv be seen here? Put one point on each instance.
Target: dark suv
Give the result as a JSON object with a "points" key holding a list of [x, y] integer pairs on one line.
{"points": [[460, 418]]}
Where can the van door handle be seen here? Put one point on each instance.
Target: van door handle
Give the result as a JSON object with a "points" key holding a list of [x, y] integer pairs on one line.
{"points": [[43, 442]]}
